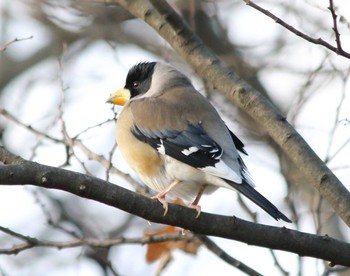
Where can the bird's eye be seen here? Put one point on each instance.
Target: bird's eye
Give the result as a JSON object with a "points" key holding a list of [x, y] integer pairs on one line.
{"points": [[135, 84]]}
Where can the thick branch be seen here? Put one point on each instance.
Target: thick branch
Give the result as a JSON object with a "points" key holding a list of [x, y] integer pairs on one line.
{"points": [[28, 172], [172, 28]]}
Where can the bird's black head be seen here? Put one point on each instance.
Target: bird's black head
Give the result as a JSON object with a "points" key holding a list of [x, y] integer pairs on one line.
{"points": [[139, 78]]}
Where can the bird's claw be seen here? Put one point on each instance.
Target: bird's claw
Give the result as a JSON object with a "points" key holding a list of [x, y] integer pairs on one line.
{"points": [[197, 208], [161, 198]]}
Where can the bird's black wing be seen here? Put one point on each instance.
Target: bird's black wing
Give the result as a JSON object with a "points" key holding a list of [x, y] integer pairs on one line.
{"points": [[191, 146]]}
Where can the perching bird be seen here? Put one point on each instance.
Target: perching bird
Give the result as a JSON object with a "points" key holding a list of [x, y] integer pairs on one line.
{"points": [[176, 141]]}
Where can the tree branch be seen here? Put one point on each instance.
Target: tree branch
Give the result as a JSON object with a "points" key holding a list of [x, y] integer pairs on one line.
{"points": [[172, 28], [22, 172], [31, 242], [226, 257], [335, 27], [4, 46], [338, 50], [70, 142]]}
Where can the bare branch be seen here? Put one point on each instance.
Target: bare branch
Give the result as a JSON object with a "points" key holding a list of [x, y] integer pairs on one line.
{"points": [[31, 242], [71, 142], [318, 41], [4, 47], [108, 165], [12, 118], [34, 242], [335, 27], [329, 157]]}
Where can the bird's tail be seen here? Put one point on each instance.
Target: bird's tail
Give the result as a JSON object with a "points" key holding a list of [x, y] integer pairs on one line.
{"points": [[260, 200]]}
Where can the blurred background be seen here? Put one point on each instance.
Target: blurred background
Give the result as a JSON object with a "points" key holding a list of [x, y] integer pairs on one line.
{"points": [[72, 54]]}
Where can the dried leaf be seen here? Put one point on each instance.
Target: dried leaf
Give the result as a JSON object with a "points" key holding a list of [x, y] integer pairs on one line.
{"points": [[163, 250]]}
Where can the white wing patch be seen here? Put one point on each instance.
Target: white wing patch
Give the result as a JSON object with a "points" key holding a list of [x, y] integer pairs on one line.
{"points": [[223, 171], [190, 150], [161, 148]]}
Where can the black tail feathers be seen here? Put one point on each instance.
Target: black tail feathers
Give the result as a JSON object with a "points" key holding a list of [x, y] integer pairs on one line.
{"points": [[260, 200]]}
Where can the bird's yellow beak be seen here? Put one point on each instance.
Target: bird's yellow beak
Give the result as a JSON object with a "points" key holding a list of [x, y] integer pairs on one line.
{"points": [[120, 97]]}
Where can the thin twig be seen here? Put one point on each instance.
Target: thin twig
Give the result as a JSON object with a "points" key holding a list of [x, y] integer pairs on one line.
{"points": [[318, 41], [306, 90], [31, 242], [335, 26], [339, 150], [12, 118], [4, 47], [92, 127], [78, 143], [345, 121], [108, 165], [253, 216], [110, 156], [66, 137], [329, 157]]}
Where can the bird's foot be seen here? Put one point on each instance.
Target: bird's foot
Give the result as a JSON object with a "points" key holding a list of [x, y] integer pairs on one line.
{"points": [[196, 207], [161, 198], [194, 204], [161, 195]]}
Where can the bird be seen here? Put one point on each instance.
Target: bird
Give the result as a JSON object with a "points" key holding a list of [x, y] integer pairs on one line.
{"points": [[176, 141]]}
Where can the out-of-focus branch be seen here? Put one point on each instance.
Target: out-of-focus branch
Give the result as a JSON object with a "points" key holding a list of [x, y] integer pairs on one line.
{"points": [[17, 171], [74, 142], [11, 67], [253, 216], [30, 242], [212, 246], [4, 46], [12, 118], [338, 50]]}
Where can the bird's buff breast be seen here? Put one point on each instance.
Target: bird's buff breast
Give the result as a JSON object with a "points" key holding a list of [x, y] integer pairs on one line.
{"points": [[140, 157]]}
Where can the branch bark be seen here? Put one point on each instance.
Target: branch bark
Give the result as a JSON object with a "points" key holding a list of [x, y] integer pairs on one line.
{"points": [[17, 171], [174, 30]]}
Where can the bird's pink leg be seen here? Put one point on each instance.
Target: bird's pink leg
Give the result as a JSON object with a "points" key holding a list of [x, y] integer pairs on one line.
{"points": [[195, 202], [161, 195]]}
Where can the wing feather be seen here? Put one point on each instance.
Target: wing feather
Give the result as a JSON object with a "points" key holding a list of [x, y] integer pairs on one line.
{"points": [[191, 146]]}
